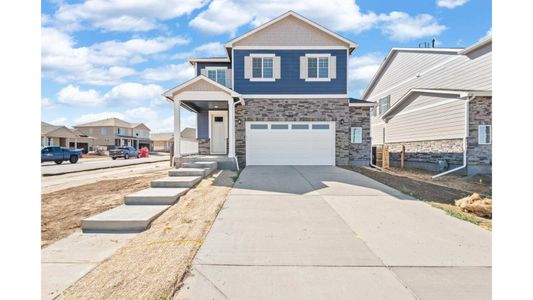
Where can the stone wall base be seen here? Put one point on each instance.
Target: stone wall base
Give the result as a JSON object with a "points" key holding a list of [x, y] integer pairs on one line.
{"points": [[204, 147]]}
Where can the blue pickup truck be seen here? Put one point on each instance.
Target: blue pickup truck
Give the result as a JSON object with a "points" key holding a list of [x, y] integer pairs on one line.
{"points": [[60, 154]]}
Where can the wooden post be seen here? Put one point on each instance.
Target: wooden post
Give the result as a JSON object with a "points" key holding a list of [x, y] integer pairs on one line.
{"points": [[402, 156], [385, 157]]}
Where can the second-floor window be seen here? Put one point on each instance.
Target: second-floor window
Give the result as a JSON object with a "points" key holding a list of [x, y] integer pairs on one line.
{"points": [[384, 104], [103, 131], [263, 67], [318, 67], [121, 131], [217, 74]]}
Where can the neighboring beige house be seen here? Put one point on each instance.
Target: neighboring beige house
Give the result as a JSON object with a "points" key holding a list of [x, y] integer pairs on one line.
{"points": [[115, 132], [58, 135], [437, 103], [163, 141]]}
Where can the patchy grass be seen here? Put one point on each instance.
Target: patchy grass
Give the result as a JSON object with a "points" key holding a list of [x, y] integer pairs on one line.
{"points": [[454, 211]]}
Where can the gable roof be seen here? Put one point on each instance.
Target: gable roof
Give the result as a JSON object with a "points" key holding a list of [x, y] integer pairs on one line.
{"points": [[389, 57], [188, 132], [168, 94], [404, 100], [49, 129], [352, 45], [112, 122]]}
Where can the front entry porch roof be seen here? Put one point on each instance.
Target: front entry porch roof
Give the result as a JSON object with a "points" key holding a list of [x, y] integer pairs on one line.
{"points": [[200, 88]]}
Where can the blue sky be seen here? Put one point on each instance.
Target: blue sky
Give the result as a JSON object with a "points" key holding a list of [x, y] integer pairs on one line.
{"points": [[105, 58]]}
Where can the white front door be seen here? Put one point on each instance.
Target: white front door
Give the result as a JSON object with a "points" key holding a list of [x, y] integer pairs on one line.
{"points": [[290, 143], [218, 132]]}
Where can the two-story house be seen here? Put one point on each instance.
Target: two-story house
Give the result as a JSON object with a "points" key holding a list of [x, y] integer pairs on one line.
{"points": [[434, 107], [279, 97], [114, 132]]}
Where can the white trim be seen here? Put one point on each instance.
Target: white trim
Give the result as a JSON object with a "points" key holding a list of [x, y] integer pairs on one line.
{"points": [[218, 113], [290, 48], [262, 55], [351, 135], [477, 45], [362, 104], [262, 79], [215, 68], [193, 61], [317, 79], [317, 55], [295, 96], [287, 14], [232, 71], [428, 106]]}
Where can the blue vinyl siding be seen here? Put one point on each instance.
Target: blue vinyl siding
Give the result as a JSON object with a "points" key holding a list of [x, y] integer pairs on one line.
{"points": [[202, 124], [202, 65], [290, 82]]}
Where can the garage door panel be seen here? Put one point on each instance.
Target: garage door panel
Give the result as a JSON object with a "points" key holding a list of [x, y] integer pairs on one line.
{"points": [[290, 146]]}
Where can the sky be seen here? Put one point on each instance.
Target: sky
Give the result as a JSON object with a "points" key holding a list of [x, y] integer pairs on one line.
{"points": [[114, 58]]}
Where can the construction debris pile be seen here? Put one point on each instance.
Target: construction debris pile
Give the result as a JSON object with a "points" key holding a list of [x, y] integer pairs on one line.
{"points": [[476, 205]]}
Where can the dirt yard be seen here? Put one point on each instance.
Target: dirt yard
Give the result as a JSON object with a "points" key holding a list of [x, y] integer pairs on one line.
{"points": [[154, 263], [62, 210], [441, 192]]}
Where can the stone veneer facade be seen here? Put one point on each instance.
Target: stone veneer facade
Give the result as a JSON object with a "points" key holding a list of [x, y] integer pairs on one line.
{"points": [[331, 109], [203, 147], [479, 157]]}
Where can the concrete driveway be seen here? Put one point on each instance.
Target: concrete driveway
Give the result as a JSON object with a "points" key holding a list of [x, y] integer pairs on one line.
{"points": [[318, 232]]}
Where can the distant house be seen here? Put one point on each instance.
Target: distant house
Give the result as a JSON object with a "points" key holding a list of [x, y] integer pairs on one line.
{"points": [[59, 135], [163, 141], [437, 104], [114, 132]]}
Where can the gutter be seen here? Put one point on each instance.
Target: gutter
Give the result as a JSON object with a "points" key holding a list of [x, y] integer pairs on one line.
{"points": [[465, 142]]}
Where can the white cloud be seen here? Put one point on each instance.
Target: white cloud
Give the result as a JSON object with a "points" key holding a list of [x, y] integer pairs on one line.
{"points": [[361, 69], [46, 103], [59, 121], [176, 73], [399, 26], [63, 62], [98, 116], [120, 15], [72, 95], [227, 16], [212, 49], [128, 93], [450, 3]]}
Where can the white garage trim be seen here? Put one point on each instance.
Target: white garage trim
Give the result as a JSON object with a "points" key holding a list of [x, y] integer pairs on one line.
{"points": [[290, 143]]}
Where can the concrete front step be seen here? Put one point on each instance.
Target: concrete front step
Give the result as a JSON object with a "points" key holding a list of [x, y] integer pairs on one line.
{"points": [[155, 196], [124, 218], [200, 164], [190, 172], [176, 182]]}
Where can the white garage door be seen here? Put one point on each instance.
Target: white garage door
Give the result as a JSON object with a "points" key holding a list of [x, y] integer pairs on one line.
{"points": [[290, 143]]}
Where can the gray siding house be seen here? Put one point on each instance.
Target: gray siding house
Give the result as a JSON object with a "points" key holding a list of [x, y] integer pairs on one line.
{"points": [[279, 97], [437, 104]]}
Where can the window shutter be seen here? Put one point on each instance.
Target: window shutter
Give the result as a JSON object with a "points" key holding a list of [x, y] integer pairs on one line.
{"points": [[277, 67], [332, 67], [228, 77], [388, 102], [203, 72], [303, 67], [247, 67]]}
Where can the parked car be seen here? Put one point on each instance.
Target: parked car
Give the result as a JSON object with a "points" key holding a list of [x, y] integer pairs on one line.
{"points": [[125, 152], [59, 154]]}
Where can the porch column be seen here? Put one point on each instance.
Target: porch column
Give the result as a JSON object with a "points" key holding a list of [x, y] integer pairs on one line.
{"points": [[44, 141], [231, 131], [177, 129], [75, 143]]}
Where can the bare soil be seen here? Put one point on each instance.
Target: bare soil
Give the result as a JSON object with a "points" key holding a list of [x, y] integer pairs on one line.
{"points": [[154, 263], [440, 193], [62, 211]]}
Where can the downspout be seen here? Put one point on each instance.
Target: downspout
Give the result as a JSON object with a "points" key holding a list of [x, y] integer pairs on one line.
{"points": [[465, 142], [370, 131]]}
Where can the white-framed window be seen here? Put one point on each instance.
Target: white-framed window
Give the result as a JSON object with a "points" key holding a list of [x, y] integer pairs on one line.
{"points": [[318, 67], [217, 74], [384, 104], [356, 135], [262, 67], [484, 134], [103, 131], [121, 131]]}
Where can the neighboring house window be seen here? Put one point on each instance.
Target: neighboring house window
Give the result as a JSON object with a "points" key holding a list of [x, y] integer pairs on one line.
{"points": [[356, 135], [384, 104], [485, 134], [217, 74], [103, 131], [121, 131], [262, 67]]}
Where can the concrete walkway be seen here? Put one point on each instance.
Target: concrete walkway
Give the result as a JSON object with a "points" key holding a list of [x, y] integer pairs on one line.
{"points": [[48, 169], [327, 233]]}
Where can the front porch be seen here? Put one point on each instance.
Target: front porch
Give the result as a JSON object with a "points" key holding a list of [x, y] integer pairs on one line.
{"points": [[214, 106]]}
